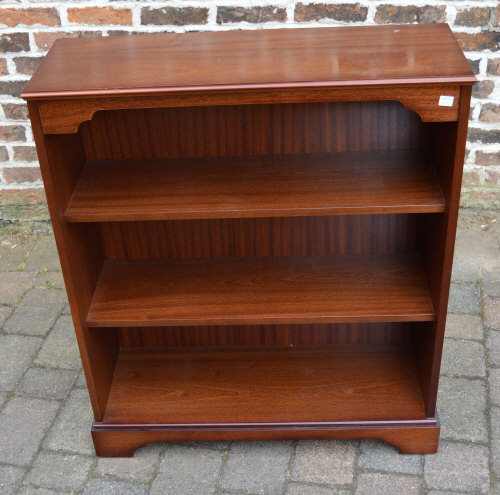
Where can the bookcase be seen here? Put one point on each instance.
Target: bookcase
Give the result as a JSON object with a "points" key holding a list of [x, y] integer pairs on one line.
{"points": [[256, 228]]}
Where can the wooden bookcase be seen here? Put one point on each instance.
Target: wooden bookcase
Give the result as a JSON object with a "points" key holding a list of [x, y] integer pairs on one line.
{"points": [[256, 228]]}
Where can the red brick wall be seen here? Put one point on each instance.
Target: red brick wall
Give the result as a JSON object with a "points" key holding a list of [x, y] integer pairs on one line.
{"points": [[28, 30]]}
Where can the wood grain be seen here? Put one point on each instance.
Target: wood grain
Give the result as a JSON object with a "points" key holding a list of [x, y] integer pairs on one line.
{"points": [[256, 186], [278, 58], [306, 289]]}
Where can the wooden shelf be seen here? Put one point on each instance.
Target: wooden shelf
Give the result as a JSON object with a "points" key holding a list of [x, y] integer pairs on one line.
{"points": [[300, 385], [295, 289], [401, 181]]}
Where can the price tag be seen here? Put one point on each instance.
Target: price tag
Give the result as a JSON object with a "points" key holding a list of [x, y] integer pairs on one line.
{"points": [[446, 101]]}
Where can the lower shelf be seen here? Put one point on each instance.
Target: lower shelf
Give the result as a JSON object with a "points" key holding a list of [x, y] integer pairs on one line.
{"points": [[264, 387]]}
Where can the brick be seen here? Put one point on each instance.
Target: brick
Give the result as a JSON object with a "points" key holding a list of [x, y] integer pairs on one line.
{"points": [[462, 406], [3, 67], [464, 298], [493, 67], [492, 312], [474, 65], [44, 40], [463, 358], [301, 489], [462, 467], [25, 154], [36, 313], [475, 16], [328, 461], [490, 113], [16, 353], [255, 15], [339, 12], [12, 133], [186, 470], [59, 348], [27, 65], [99, 16], [30, 17], [494, 385], [98, 486], [141, 467], [470, 178], [23, 424], [47, 383], [16, 111], [484, 198], [19, 175], [257, 467], [60, 471], [491, 281], [482, 89], [382, 484], [4, 155], [464, 326], [12, 88], [10, 478], [44, 255], [174, 15], [22, 196], [492, 177], [379, 456], [488, 159], [71, 431], [483, 136], [14, 284], [393, 14], [14, 42], [478, 41]]}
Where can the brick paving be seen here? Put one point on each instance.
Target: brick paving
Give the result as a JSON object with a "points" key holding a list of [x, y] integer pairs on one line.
{"points": [[45, 414]]}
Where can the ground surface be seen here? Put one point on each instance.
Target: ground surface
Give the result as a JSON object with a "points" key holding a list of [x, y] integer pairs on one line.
{"points": [[45, 415]]}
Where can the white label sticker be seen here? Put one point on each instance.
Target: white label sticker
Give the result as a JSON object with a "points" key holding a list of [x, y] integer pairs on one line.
{"points": [[446, 101]]}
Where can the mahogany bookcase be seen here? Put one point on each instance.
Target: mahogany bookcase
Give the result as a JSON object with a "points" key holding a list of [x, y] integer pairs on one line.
{"points": [[256, 228]]}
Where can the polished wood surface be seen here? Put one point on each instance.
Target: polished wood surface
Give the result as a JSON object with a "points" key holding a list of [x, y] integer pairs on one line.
{"points": [[278, 58], [299, 385], [230, 291], [256, 186]]}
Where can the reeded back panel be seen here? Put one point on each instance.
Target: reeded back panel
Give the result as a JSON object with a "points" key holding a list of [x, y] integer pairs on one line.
{"points": [[251, 130]]}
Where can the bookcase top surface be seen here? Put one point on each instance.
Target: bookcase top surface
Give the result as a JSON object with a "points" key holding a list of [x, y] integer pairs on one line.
{"points": [[253, 59]]}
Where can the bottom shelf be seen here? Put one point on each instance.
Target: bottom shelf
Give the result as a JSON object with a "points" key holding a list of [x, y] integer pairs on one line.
{"points": [[264, 386]]}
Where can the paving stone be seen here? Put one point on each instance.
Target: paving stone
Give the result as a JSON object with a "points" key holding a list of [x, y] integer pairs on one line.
{"points": [[36, 312], [50, 383], [257, 467], [439, 492], [476, 244], [187, 471], [464, 327], [466, 269], [71, 431], [3, 398], [327, 462], [492, 312], [23, 424], [16, 353], [464, 298], [379, 456], [494, 385], [495, 440], [383, 484], [493, 347], [32, 490], [300, 489], [5, 312], [461, 406], [208, 445], [462, 467], [496, 489], [14, 285], [81, 382], [60, 471], [98, 486], [49, 280], [138, 468], [44, 255], [66, 310], [10, 477], [12, 256], [60, 349], [491, 280], [463, 358]]}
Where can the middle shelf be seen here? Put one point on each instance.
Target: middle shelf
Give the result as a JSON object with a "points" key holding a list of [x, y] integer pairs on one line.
{"points": [[394, 181], [261, 290]]}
